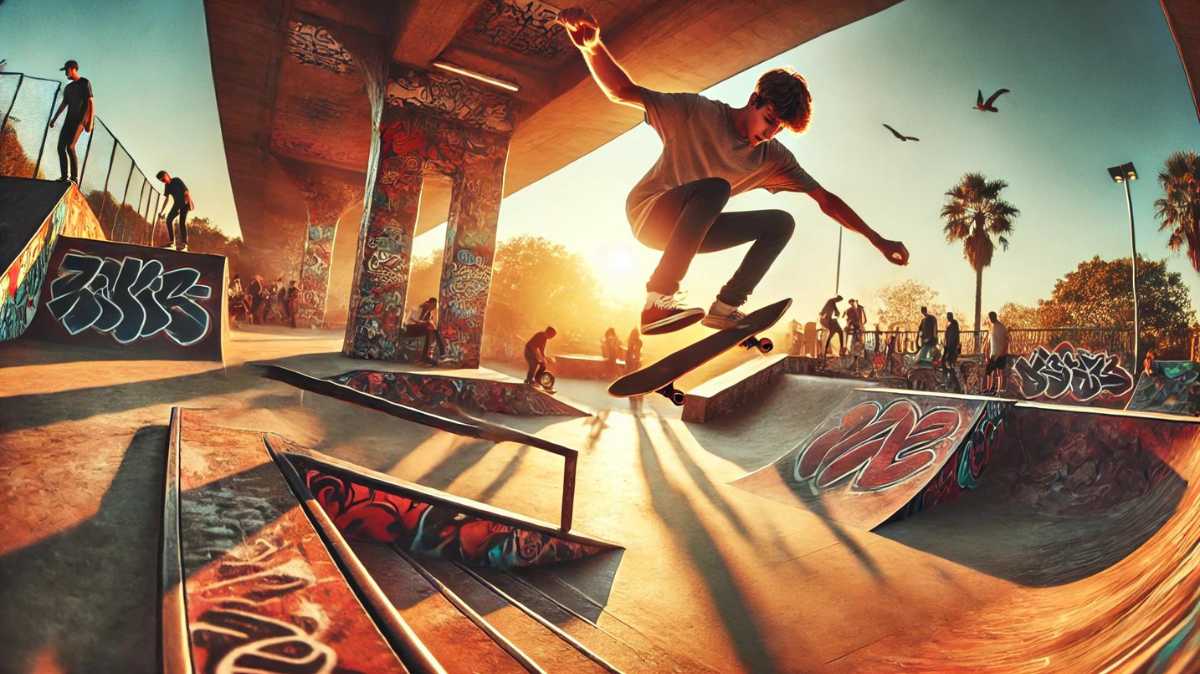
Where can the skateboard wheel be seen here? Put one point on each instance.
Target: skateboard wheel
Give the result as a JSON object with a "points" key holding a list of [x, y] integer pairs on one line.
{"points": [[765, 345], [677, 398]]}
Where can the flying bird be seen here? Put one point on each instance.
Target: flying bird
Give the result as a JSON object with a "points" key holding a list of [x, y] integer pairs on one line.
{"points": [[987, 106], [899, 135]]}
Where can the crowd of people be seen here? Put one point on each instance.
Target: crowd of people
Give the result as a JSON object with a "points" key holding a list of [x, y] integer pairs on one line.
{"points": [[260, 303], [928, 353]]}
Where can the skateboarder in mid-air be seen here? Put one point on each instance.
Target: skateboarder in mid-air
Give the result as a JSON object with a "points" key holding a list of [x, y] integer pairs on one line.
{"points": [[712, 151]]}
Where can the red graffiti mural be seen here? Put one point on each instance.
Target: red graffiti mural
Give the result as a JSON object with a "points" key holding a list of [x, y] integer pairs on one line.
{"points": [[366, 513], [876, 447]]}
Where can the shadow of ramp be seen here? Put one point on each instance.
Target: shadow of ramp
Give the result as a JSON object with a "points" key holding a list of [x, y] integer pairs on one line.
{"points": [[1067, 494]]}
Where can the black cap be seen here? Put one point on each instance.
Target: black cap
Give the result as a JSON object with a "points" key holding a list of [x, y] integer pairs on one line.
{"points": [[70, 64]]}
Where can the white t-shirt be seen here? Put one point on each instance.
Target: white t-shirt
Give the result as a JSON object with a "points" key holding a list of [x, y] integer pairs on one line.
{"points": [[999, 340], [700, 141]]}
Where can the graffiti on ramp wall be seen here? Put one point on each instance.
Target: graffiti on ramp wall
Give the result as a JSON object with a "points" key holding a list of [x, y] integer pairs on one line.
{"points": [[1073, 374], [130, 299]]}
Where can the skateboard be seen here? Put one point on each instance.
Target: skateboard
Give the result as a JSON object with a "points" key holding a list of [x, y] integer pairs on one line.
{"points": [[660, 376]]}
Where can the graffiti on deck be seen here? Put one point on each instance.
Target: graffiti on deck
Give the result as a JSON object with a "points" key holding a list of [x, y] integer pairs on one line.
{"points": [[453, 97], [441, 393], [876, 447], [525, 26], [367, 513], [1075, 372], [313, 45], [242, 641], [132, 299]]}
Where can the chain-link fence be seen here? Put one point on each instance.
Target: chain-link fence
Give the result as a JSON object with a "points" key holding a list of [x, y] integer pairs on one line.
{"points": [[124, 199]]}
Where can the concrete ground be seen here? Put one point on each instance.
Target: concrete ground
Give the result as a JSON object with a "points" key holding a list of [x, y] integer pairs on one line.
{"points": [[737, 582]]}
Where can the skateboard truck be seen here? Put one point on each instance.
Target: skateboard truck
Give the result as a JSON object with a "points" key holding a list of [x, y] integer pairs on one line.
{"points": [[763, 344], [671, 393]]}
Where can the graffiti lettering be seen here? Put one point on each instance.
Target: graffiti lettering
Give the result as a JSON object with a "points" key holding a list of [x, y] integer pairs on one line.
{"points": [[1076, 372], [132, 299], [241, 641], [876, 447], [313, 45]]}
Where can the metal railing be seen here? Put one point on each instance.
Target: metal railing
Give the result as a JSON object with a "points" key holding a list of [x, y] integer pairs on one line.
{"points": [[124, 200]]}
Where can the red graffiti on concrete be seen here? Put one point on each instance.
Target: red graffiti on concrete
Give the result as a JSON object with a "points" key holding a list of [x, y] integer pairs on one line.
{"points": [[876, 447]]}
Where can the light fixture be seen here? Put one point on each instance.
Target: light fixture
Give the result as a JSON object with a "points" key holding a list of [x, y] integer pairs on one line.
{"points": [[1123, 172], [466, 72]]}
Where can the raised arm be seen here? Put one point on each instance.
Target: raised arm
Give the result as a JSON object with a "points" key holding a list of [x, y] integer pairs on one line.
{"points": [[834, 207], [612, 79]]}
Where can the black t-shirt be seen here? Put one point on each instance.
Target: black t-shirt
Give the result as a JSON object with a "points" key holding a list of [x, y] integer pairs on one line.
{"points": [[537, 342], [76, 95], [176, 189], [952, 333], [928, 328]]}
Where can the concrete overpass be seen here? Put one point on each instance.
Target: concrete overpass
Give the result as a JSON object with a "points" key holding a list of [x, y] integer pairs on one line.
{"points": [[305, 89], [302, 84]]}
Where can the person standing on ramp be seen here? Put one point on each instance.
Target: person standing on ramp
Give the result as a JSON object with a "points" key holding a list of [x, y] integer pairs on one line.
{"points": [[712, 151], [81, 116], [183, 203]]}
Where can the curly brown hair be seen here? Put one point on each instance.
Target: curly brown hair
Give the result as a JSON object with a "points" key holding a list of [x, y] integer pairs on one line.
{"points": [[787, 90]]}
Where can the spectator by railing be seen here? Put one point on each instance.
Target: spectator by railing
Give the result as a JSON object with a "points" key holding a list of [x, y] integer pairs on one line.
{"points": [[125, 201]]}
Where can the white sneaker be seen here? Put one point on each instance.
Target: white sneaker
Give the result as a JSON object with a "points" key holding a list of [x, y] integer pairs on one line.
{"points": [[666, 313], [722, 316]]}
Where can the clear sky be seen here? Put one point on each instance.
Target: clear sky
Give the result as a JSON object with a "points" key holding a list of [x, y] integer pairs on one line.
{"points": [[148, 64], [1076, 107]]}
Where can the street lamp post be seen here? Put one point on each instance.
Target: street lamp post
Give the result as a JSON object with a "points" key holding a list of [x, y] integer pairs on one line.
{"points": [[1125, 174], [837, 279]]}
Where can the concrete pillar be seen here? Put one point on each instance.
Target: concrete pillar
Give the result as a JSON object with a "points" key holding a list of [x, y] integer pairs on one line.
{"points": [[469, 253], [325, 199], [435, 123]]}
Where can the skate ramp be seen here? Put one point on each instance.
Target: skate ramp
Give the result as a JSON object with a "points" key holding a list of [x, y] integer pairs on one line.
{"points": [[134, 301], [33, 214], [1172, 388], [1094, 516], [884, 453]]}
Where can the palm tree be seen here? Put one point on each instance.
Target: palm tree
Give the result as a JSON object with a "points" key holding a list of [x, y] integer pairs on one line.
{"points": [[974, 213], [1179, 209]]}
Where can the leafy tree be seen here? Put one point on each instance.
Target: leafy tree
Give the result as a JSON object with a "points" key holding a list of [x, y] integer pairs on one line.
{"points": [[1179, 208], [13, 160], [900, 305], [1099, 293], [1020, 316], [974, 214]]}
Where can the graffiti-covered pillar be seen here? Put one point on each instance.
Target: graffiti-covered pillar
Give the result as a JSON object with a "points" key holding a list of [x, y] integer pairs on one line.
{"points": [[469, 252], [428, 122], [326, 196]]}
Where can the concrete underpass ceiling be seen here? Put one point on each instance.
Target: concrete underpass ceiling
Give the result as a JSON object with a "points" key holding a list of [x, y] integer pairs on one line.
{"points": [[1183, 17], [290, 83]]}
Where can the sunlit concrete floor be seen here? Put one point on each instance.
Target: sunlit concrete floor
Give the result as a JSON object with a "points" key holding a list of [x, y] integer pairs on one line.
{"points": [[709, 571]]}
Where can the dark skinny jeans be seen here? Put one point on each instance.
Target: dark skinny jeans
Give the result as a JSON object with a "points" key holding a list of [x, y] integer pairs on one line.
{"points": [[72, 128], [688, 220]]}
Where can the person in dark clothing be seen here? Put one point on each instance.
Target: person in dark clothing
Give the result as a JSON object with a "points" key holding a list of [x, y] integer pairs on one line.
{"points": [[953, 346], [179, 209], [292, 303], [928, 336], [422, 321], [828, 316], [535, 354], [257, 296], [81, 114]]}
